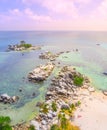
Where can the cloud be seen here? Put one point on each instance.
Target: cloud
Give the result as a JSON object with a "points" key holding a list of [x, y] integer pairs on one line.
{"points": [[62, 9], [25, 14], [41, 18], [58, 14], [55, 7], [102, 9], [15, 12], [100, 13], [23, 19]]}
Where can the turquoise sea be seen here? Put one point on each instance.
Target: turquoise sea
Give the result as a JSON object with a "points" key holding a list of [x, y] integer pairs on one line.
{"points": [[91, 60]]}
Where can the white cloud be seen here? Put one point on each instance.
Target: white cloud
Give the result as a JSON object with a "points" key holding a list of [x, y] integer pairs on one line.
{"points": [[100, 13], [54, 18], [26, 13], [61, 6], [64, 7], [16, 12], [102, 9], [29, 13]]}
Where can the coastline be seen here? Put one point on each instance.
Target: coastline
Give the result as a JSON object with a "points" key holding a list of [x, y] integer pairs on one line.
{"points": [[82, 116], [92, 114]]}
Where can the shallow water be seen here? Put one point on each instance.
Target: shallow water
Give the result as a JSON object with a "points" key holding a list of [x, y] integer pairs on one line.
{"points": [[90, 60]]}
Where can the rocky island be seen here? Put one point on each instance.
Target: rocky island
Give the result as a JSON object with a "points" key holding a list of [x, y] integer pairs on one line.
{"points": [[41, 72], [22, 46], [62, 98], [49, 55]]}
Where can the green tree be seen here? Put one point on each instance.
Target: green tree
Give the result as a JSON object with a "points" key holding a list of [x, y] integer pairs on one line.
{"points": [[5, 123], [78, 80], [55, 127], [31, 127], [54, 106]]}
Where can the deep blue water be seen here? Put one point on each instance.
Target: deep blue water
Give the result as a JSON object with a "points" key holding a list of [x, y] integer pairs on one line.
{"points": [[14, 68]]}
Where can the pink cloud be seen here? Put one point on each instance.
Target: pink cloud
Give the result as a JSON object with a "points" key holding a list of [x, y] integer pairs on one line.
{"points": [[100, 12], [70, 9], [64, 7], [61, 6], [29, 13], [16, 12], [102, 9]]}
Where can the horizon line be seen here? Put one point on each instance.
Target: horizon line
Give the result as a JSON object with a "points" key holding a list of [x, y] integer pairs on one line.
{"points": [[56, 30]]}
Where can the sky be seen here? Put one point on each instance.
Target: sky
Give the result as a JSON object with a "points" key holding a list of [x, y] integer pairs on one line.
{"points": [[88, 15]]}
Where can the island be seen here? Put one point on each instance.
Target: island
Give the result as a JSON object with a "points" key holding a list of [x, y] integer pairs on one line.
{"points": [[22, 46], [49, 55]]}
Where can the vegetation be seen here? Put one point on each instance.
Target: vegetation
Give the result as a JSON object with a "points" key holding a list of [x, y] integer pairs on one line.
{"points": [[69, 111], [26, 45], [78, 80], [54, 106], [44, 108], [31, 127], [55, 127], [5, 123], [78, 104], [49, 53], [64, 124], [73, 106], [46, 69]]}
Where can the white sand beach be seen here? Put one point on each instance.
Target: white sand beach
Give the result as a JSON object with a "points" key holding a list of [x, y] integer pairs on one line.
{"points": [[92, 114]]}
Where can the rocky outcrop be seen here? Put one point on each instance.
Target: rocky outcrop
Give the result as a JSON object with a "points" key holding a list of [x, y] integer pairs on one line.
{"points": [[41, 72], [49, 55], [4, 98], [61, 94]]}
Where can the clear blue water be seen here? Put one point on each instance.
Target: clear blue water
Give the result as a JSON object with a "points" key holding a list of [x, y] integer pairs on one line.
{"points": [[90, 60]]}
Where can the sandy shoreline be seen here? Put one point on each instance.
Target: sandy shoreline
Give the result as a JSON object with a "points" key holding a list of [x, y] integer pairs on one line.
{"points": [[92, 114]]}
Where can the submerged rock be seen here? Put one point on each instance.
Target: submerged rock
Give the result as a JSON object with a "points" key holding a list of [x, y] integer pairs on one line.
{"points": [[105, 73], [15, 98], [5, 98]]}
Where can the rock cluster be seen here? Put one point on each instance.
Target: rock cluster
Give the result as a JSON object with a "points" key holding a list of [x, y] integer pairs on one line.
{"points": [[4, 98], [49, 55], [63, 85], [41, 72], [63, 92], [21, 127]]}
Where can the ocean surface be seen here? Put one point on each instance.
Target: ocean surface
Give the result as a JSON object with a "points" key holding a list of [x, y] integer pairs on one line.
{"points": [[90, 59]]}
